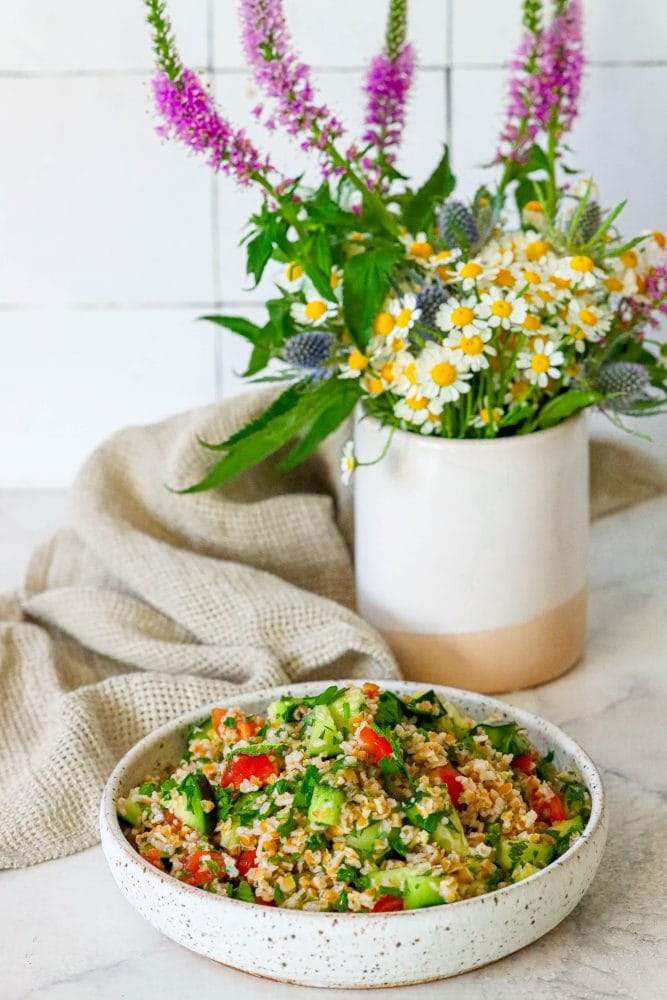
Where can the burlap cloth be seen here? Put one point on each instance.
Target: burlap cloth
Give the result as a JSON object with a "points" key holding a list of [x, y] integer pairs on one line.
{"points": [[151, 604]]}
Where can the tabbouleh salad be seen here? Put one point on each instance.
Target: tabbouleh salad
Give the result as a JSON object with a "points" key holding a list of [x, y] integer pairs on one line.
{"points": [[355, 800]]}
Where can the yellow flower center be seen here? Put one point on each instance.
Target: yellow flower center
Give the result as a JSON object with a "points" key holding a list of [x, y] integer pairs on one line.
{"points": [[560, 282], [630, 258], [540, 363], [531, 322], [293, 271], [588, 317], [501, 308], [375, 385], [444, 273], [614, 284], [545, 295], [334, 281], [471, 345], [403, 318], [443, 255], [387, 371], [462, 316], [420, 249], [505, 278], [397, 344], [443, 373], [383, 323], [471, 270], [581, 263], [357, 361], [533, 206], [316, 309], [410, 373], [659, 238], [417, 402], [536, 249], [532, 277], [495, 416]]}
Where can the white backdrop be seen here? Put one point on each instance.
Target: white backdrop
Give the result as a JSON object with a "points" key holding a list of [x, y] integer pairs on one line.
{"points": [[113, 243]]}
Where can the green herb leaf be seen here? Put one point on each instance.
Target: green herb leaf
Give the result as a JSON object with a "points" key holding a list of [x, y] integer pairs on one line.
{"points": [[566, 405], [366, 284], [390, 710], [418, 210]]}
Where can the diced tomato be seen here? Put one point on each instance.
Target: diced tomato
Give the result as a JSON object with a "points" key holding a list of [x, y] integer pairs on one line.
{"points": [[171, 819], [245, 861], [525, 762], [375, 745], [152, 856], [246, 728], [199, 878], [217, 715], [388, 904], [243, 766], [370, 689], [198, 871], [550, 809], [265, 902], [449, 775]]}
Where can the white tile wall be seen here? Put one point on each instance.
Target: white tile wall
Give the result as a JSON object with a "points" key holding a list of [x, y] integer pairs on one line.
{"points": [[111, 243]]}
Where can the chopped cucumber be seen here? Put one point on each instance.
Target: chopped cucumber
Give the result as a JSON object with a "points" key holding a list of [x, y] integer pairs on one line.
{"points": [[186, 800], [449, 834], [132, 810], [345, 707], [504, 737], [514, 851], [452, 721], [321, 732], [520, 872], [228, 833], [564, 831], [283, 710], [418, 887], [325, 806], [364, 841]]}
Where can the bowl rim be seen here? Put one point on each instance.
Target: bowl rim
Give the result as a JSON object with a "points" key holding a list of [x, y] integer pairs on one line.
{"points": [[560, 740]]}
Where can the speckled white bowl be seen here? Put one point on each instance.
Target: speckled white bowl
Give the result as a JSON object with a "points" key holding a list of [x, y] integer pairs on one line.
{"points": [[356, 949]]}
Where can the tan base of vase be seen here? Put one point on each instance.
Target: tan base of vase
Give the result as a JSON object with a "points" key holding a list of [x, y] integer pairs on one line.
{"points": [[503, 659]]}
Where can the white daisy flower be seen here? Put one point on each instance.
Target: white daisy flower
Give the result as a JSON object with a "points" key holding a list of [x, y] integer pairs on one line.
{"points": [[402, 375], [433, 422], [460, 315], [336, 281], [588, 324], [292, 277], [354, 364], [484, 417], [417, 247], [502, 310], [653, 249], [440, 373], [529, 247], [472, 273], [348, 463], [475, 348], [416, 408], [541, 363], [532, 214], [580, 270], [443, 263], [385, 321], [314, 312], [405, 312]]}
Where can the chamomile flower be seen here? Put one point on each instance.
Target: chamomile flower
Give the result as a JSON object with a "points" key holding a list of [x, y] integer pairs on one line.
{"points": [[433, 422], [313, 312], [475, 348], [354, 364], [443, 263], [470, 274], [486, 417], [416, 408], [529, 247], [580, 270], [292, 277], [460, 315], [532, 214], [402, 375], [440, 373], [405, 312], [348, 463], [502, 309], [336, 282], [541, 363], [417, 247], [592, 320]]}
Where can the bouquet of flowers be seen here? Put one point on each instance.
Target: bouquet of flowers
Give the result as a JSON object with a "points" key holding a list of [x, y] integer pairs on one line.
{"points": [[499, 315]]}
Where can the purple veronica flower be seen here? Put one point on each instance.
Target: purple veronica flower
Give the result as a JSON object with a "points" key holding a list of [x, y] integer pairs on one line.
{"points": [[189, 114], [545, 82], [285, 79], [387, 87]]}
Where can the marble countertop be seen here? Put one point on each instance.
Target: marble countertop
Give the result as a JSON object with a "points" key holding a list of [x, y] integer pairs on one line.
{"points": [[68, 934]]}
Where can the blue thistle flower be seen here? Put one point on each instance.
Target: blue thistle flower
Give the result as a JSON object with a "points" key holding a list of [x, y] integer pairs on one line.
{"points": [[310, 351], [625, 381], [429, 300], [457, 225]]}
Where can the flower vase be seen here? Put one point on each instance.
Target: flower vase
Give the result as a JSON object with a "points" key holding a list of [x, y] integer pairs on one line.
{"points": [[471, 555]]}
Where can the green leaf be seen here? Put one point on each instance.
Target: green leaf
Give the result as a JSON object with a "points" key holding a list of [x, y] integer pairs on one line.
{"points": [[324, 425], [440, 184], [291, 413], [515, 414], [565, 405], [537, 160], [259, 253], [259, 359], [365, 286], [605, 225], [237, 324]]}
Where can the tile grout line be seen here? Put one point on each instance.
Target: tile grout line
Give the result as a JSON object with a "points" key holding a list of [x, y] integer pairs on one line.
{"points": [[449, 49]]}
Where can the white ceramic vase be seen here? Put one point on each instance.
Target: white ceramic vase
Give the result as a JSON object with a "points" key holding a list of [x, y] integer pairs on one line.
{"points": [[471, 556]]}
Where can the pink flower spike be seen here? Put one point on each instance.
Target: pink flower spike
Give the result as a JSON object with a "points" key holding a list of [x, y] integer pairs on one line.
{"points": [[387, 88]]}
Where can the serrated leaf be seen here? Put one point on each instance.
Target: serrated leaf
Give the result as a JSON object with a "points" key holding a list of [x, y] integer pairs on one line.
{"points": [[259, 253], [237, 324], [284, 402], [324, 425], [365, 286], [441, 183]]}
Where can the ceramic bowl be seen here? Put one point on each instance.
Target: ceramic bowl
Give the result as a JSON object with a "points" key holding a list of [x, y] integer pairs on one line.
{"points": [[354, 949]]}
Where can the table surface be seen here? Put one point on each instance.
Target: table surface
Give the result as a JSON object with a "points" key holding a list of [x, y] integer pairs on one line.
{"points": [[68, 934]]}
